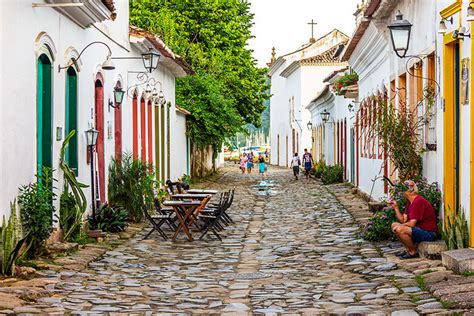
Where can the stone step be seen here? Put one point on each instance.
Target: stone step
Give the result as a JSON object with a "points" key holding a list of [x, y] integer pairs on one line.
{"points": [[459, 260], [432, 249]]}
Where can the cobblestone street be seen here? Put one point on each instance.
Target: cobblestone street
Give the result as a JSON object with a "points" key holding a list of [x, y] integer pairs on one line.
{"points": [[294, 251]]}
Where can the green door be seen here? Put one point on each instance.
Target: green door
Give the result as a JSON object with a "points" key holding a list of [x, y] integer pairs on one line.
{"points": [[71, 118], [44, 119]]}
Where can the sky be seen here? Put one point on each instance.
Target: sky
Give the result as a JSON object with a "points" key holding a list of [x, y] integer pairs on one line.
{"points": [[283, 23]]}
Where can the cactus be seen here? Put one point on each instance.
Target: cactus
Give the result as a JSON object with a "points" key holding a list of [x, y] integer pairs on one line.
{"points": [[12, 244], [456, 231]]}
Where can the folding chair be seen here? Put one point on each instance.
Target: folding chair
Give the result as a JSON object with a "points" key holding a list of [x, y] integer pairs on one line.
{"points": [[157, 221], [211, 219], [160, 210]]}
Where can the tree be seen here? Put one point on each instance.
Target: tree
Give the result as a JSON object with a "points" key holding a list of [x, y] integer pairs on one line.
{"points": [[228, 89]]}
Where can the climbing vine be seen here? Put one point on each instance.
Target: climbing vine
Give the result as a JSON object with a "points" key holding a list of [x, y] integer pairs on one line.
{"points": [[396, 126]]}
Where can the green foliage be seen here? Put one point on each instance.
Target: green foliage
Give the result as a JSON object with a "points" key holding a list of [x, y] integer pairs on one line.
{"points": [[36, 209], [109, 219], [13, 246], [74, 204], [228, 89], [378, 227], [456, 231], [319, 168], [332, 174], [131, 186]]}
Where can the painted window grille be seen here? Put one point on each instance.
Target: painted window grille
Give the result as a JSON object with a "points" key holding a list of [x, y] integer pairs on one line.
{"points": [[431, 112]]}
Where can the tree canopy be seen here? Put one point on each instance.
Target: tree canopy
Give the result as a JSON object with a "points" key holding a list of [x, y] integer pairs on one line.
{"points": [[228, 89]]}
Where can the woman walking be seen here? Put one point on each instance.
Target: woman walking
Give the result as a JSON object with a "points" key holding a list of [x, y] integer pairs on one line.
{"points": [[243, 162], [261, 164]]}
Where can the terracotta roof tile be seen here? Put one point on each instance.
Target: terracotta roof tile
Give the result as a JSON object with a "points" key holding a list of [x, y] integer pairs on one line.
{"points": [[329, 56]]}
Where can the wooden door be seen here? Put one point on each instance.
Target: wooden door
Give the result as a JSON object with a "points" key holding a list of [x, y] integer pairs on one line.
{"points": [[99, 125], [118, 128], [143, 129]]}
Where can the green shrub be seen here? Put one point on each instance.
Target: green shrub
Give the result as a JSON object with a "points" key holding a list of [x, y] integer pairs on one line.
{"points": [[332, 174], [109, 219], [378, 226], [37, 209], [319, 168], [73, 204], [131, 186]]}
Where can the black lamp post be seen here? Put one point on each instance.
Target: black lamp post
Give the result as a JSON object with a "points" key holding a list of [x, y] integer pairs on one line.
{"points": [[91, 139], [400, 31], [150, 60], [325, 116]]}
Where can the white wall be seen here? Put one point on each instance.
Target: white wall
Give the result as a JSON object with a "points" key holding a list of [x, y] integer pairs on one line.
{"points": [[20, 26]]}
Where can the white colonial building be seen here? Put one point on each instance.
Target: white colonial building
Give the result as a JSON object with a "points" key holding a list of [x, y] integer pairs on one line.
{"points": [[46, 91], [400, 81], [296, 79], [333, 140]]}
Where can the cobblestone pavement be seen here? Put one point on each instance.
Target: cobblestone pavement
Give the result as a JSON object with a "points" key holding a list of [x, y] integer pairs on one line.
{"points": [[293, 249]]}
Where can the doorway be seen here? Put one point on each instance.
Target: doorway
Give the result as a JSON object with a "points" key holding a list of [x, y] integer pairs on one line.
{"points": [[451, 124], [44, 115], [99, 125]]}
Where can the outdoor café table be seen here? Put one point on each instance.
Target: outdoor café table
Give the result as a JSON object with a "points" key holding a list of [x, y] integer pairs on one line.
{"points": [[187, 196], [200, 191], [183, 211]]}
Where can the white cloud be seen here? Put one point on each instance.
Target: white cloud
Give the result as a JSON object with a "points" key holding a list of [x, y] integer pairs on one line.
{"points": [[283, 23]]}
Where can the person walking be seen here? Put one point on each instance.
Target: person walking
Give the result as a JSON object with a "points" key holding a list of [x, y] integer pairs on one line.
{"points": [[307, 162], [295, 164], [261, 164], [243, 162], [250, 163]]}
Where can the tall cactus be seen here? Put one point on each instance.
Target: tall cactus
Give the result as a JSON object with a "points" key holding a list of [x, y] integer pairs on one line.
{"points": [[456, 231], [11, 243]]}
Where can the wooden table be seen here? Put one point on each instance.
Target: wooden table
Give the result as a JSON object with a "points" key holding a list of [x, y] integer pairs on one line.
{"points": [[187, 196], [183, 211], [200, 191]]}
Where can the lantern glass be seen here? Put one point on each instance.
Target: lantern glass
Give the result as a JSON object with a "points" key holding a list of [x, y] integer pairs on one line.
{"points": [[325, 116], [150, 60], [91, 136], [400, 30], [118, 95]]}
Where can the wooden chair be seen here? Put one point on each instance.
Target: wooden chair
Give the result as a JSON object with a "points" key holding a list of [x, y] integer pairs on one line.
{"points": [[157, 221]]}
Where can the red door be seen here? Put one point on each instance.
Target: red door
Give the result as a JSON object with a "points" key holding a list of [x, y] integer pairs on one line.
{"points": [[293, 141], [118, 129], [99, 125], [135, 125], [143, 129], [150, 135], [344, 142]]}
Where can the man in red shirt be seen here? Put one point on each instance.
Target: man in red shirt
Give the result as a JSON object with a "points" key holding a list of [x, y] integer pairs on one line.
{"points": [[417, 223]]}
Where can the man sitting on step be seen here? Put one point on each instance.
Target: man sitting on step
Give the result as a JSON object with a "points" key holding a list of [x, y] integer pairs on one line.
{"points": [[417, 223]]}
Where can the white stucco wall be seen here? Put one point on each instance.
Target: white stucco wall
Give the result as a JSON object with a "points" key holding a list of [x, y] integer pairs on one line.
{"points": [[20, 27], [376, 63]]}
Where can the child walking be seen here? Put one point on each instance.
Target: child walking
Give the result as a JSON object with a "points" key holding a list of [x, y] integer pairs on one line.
{"points": [[295, 164]]}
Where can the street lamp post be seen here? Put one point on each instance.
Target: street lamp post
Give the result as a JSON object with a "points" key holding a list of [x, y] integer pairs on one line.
{"points": [[91, 139]]}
